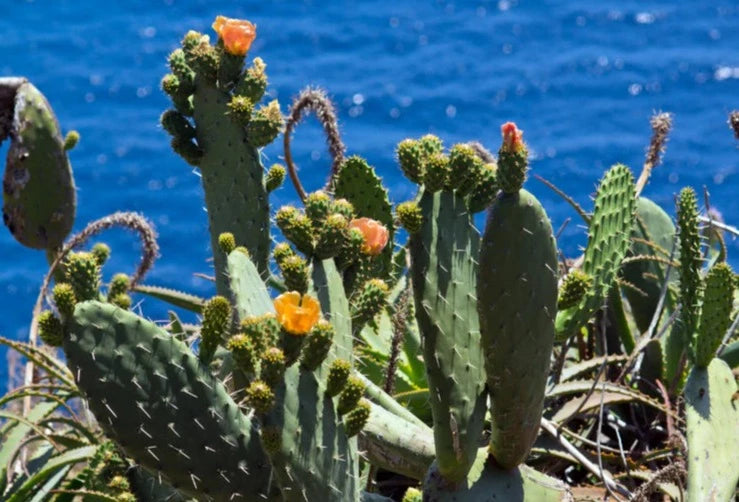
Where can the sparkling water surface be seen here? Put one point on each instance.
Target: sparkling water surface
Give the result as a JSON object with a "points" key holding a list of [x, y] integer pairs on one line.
{"points": [[581, 79]]}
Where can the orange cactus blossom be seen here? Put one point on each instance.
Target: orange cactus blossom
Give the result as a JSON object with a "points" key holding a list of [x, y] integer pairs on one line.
{"points": [[375, 235], [512, 137], [296, 314], [237, 34]]}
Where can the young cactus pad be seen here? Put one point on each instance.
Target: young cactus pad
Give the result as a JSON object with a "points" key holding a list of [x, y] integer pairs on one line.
{"points": [[517, 302]]}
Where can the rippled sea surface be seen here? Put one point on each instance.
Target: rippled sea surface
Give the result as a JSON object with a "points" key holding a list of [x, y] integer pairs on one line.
{"points": [[581, 78]]}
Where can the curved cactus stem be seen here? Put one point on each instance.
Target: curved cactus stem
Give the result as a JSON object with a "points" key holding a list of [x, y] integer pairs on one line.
{"points": [[150, 393], [488, 483], [712, 416], [443, 270]]}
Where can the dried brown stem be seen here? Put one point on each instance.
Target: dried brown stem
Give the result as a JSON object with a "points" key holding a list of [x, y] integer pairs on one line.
{"points": [[661, 125]]}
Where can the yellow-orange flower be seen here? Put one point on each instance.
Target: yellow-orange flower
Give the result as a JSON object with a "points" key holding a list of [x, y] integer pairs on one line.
{"points": [[296, 314], [237, 34], [375, 235]]}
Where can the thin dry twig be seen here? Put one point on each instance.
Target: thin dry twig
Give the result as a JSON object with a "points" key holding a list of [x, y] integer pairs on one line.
{"points": [[583, 214], [661, 124], [314, 100]]}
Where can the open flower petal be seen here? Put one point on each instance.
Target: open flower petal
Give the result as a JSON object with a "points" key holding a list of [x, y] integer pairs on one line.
{"points": [[236, 34], [375, 235], [296, 314]]}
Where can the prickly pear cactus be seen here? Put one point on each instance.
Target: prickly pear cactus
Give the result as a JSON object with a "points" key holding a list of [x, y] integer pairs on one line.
{"points": [[216, 127], [39, 197], [443, 270], [153, 396], [712, 417], [517, 303], [608, 242]]}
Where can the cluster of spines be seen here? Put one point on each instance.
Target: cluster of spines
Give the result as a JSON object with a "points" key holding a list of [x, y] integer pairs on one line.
{"points": [[463, 170]]}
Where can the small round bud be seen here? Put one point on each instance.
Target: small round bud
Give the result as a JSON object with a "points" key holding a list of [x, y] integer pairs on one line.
{"points": [[356, 419], [260, 397], [317, 345], [122, 300], [275, 177], [338, 374], [273, 366], [244, 352], [64, 299], [438, 173], [240, 108], [227, 242], [350, 396], [344, 208], [281, 252], [266, 123], [410, 216], [71, 140], [50, 329]]}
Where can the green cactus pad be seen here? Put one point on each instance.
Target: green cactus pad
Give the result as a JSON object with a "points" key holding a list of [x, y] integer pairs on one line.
{"points": [[443, 270], [716, 313], [653, 224], [151, 394], [608, 242], [517, 303], [691, 262], [487, 482], [39, 196], [712, 418]]}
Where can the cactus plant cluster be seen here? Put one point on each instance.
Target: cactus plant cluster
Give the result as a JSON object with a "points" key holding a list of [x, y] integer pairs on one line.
{"points": [[277, 392]]}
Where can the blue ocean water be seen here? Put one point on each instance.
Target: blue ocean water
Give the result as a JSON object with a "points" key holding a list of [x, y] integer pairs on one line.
{"points": [[581, 78]]}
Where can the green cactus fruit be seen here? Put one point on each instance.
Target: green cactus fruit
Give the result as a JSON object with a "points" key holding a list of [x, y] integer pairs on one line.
{"points": [[50, 329], [691, 262], [715, 315], [273, 366], [517, 303], [179, 92], [215, 327], [711, 415], [466, 168], [39, 196], [295, 272], [413, 495], [410, 216], [444, 256], [317, 345], [438, 173], [430, 145], [654, 225], [488, 482], [609, 238], [356, 419], [271, 439], [332, 236], [240, 109], [485, 191], [101, 252], [191, 40], [274, 178], [203, 59], [281, 252], [266, 123], [253, 81], [83, 274], [351, 251], [350, 395], [180, 68], [412, 160], [119, 284], [296, 227], [317, 207], [71, 140], [226, 242], [152, 395], [243, 250], [368, 302], [338, 374], [177, 125], [244, 353], [263, 330], [291, 346], [512, 159], [229, 66], [64, 299], [119, 484], [260, 397], [188, 150], [574, 286], [122, 300], [344, 208]]}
